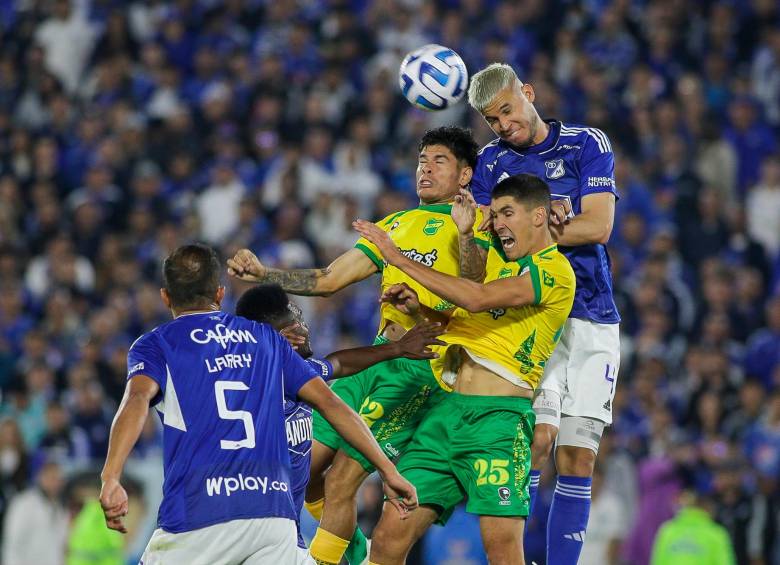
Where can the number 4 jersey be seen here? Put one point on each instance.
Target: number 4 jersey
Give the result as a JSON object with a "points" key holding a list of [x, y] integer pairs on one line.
{"points": [[223, 382]]}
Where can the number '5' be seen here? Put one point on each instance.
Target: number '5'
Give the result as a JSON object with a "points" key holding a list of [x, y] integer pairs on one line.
{"points": [[498, 475]]}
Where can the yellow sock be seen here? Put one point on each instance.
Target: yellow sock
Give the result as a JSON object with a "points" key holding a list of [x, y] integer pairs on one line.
{"points": [[315, 508], [327, 548]]}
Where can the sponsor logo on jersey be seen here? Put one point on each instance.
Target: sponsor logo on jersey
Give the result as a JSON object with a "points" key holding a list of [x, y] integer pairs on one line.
{"points": [[136, 367], [568, 147], [601, 182], [222, 335], [299, 431], [214, 485], [506, 272], [432, 226], [503, 176], [554, 169], [427, 259], [395, 225]]}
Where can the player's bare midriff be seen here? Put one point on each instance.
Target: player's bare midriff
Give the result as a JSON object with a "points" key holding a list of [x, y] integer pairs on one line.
{"points": [[393, 330], [476, 380]]}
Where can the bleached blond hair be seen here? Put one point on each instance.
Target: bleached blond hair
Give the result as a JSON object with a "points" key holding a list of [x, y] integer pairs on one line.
{"points": [[487, 83]]}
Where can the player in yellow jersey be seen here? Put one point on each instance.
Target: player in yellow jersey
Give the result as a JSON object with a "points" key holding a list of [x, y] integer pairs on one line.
{"points": [[392, 396], [475, 443]]}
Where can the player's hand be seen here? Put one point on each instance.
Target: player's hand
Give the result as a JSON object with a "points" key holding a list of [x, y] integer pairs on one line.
{"points": [[560, 212], [416, 342], [400, 493], [403, 297], [113, 499], [487, 219], [464, 212], [290, 333], [246, 266], [380, 238]]}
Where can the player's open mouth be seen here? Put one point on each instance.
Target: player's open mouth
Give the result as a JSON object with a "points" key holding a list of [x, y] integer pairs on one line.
{"points": [[425, 184], [506, 241]]}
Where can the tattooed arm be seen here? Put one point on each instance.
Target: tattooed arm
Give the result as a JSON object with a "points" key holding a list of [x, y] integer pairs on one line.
{"points": [[351, 267], [472, 258]]}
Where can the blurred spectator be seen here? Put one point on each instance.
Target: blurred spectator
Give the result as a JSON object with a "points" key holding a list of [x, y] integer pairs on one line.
{"points": [[693, 537], [762, 355], [218, 205], [32, 511], [763, 208]]}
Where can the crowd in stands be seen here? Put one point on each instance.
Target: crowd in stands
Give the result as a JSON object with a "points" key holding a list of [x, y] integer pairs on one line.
{"points": [[130, 127]]}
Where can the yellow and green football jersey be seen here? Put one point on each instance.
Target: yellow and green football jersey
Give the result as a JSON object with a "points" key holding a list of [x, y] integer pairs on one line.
{"points": [[516, 342], [425, 234]]}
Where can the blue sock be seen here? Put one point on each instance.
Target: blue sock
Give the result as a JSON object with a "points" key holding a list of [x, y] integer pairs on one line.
{"points": [[533, 487], [568, 520]]}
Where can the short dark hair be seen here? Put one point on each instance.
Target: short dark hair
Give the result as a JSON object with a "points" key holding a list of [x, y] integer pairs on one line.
{"points": [[266, 303], [191, 276], [529, 190], [457, 139]]}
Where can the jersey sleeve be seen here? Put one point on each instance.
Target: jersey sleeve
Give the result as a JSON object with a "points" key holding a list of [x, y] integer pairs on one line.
{"points": [[481, 238], [597, 165], [323, 367], [482, 180], [296, 372], [146, 358], [371, 250]]}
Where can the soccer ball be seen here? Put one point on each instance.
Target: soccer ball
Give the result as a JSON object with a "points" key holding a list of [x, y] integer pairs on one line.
{"points": [[433, 77]]}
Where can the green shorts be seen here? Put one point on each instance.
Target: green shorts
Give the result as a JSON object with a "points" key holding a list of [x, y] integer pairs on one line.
{"points": [[391, 397], [473, 447]]}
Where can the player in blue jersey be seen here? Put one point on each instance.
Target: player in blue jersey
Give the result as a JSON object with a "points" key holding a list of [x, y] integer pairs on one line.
{"points": [[270, 304], [575, 399], [219, 383]]}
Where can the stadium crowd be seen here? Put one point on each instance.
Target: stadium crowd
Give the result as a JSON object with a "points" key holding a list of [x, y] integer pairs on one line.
{"points": [[128, 128]]}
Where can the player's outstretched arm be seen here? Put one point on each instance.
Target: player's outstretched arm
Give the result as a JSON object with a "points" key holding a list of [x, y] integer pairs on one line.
{"points": [[348, 268], [414, 344], [592, 225], [470, 295], [127, 426], [400, 492]]}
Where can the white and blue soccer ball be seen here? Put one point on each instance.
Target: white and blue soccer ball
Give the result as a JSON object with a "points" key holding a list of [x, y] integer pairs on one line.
{"points": [[433, 77]]}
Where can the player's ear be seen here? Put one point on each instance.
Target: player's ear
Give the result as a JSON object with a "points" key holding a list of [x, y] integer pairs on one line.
{"points": [[465, 176], [528, 92], [541, 217], [165, 298], [220, 295]]}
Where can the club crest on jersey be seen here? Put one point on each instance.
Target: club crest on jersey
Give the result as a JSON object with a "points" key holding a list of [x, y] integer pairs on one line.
{"points": [[554, 169], [432, 226], [504, 494]]}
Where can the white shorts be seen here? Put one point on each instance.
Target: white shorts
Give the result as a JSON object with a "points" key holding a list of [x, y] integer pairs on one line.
{"points": [[583, 370], [304, 557], [255, 541]]}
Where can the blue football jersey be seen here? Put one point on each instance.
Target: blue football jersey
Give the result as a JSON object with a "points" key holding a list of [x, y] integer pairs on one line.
{"points": [[223, 383], [574, 161], [298, 422]]}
